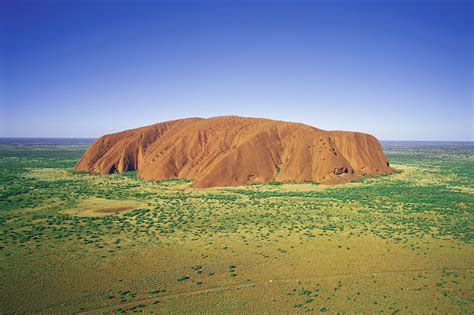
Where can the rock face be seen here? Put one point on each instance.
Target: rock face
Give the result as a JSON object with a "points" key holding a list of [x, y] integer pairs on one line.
{"points": [[232, 150]]}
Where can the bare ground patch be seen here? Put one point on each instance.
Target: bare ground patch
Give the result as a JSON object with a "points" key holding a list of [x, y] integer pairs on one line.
{"points": [[101, 207]]}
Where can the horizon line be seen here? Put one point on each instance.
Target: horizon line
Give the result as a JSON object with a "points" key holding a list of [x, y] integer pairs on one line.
{"points": [[94, 138]]}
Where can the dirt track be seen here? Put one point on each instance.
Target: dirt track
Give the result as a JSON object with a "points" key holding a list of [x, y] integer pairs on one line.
{"points": [[250, 284]]}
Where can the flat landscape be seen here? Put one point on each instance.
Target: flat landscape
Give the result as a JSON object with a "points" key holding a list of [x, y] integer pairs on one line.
{"points": [[73, 242]]}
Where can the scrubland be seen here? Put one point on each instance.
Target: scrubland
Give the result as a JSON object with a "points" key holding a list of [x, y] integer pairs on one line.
{"points": [[78, 242]]}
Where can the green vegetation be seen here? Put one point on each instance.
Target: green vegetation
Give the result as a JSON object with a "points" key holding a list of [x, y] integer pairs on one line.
{"points": [[182, 278], [95, 241]]}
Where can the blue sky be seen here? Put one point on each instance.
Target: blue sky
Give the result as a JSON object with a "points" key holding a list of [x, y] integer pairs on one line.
{"points": [[401, 70]]}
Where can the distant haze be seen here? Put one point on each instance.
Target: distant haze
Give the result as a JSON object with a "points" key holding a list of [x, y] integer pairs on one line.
{"points": [[399, 70]]}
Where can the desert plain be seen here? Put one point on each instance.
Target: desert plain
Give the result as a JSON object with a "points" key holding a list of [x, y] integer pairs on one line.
{"points": [[77, 242]]}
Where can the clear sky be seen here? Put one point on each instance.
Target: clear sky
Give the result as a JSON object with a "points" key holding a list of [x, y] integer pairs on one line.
{"points": [[401, 70]]}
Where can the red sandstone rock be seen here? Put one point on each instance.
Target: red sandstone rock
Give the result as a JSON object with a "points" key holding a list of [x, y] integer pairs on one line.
{"points": [[232, 150]]}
